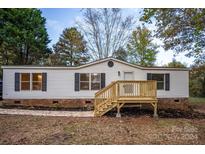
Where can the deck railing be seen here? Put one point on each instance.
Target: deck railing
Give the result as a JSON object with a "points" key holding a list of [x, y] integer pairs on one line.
{"points": [[137, 88], [126, 88], [107, 93]]}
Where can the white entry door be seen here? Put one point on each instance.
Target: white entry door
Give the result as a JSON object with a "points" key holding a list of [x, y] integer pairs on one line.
{"points": [[127, 87], [128, 76]]}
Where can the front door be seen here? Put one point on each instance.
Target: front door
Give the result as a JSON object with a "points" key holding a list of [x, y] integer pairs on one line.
{"points": [[128, 76], [128, 88]]}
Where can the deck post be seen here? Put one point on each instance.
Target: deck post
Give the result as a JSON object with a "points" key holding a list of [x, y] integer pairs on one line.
{"points": [[155, 110], [118, 115]]}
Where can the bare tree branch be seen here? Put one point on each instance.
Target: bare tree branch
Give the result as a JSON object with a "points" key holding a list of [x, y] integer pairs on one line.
{"points": [[105, 31]]}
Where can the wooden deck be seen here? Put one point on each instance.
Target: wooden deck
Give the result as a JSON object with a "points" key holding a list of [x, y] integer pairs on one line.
{"points": [[118, 93]]}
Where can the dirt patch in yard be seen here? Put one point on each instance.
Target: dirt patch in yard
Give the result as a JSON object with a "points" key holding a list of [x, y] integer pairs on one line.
{"points": [[104, 130], [169, 113], [195, 111], [197, 104], [199, 108]]}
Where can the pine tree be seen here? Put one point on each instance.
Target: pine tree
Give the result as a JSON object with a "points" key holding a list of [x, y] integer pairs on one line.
{"points": [[71, 48], [23, 37]]}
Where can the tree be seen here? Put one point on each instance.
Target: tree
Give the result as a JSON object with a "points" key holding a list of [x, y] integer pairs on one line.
{"points": [[71, 48], [141, 49], [23, 37], [197, 81], [121, 54], [182, 30], [175, 63], [54, 60], [105, 31]]}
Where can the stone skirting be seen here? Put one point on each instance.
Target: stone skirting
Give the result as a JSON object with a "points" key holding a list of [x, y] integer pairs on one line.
{"points": [[163, 103]]}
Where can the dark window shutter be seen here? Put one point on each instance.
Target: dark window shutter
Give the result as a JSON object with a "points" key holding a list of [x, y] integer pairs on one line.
{"points": [[77, 82], [44, 81], [17, 81], [167, 82], [149, 76], [102, 80]]}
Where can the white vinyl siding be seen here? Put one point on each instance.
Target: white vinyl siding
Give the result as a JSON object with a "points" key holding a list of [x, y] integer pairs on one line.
{"points": [[60, 82], [179, 84]]}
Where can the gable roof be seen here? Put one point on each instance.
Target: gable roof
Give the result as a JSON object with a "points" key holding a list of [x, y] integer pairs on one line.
{"points": [[92, 63]]}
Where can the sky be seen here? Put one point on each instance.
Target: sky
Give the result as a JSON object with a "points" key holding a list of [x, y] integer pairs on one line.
{"points": [[59, 19]]}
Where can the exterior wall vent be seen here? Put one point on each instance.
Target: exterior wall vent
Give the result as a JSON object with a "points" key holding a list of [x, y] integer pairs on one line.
{"points": [[17, 102], [110, 64], [87, 102], [55, 102]]}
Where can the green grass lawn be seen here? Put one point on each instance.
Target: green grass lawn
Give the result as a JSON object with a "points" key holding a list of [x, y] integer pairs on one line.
{"points": [[197, 100]]}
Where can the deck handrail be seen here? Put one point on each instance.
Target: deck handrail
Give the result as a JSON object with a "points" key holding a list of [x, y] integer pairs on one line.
{"points": [[105, 88], [142, 88], [108, 97], [105, 93]]}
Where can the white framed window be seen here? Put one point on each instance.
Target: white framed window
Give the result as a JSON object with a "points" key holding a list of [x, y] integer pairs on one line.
{"points": [[36, 81], [90, 81], [160, 80], [30, 81], [95, 81], [84, 81], [25, 81]]}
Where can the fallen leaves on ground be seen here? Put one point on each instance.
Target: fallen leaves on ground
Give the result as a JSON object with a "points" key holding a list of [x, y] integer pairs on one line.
{"points": [[105, 130]]}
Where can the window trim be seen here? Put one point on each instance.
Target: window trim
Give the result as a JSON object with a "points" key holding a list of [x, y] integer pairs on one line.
{"points": [[30, 81], [95, 81], [25, 81], [90, 82], [84, 82], [160, 81], [31, 74]]}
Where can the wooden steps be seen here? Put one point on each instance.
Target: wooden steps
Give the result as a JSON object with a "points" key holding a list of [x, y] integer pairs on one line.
{"points": [[119, 93], [107, 106]]}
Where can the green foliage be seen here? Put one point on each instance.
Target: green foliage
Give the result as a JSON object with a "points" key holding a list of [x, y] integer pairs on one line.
{"points": [[177, 64], [141, 49], [70, 49], [121, 54], [197, 100], [23, 37], [197, 81], [182, 30]]}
